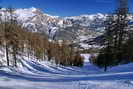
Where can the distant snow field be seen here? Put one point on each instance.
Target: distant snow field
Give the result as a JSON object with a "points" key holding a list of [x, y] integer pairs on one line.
{"points": [[44, 75]]}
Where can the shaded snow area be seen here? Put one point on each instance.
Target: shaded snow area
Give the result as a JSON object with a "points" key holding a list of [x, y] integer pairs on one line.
{"points": [[32, 74]]}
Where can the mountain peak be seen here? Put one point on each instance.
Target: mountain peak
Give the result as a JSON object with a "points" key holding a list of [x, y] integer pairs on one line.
{"points": [[33, 9]]}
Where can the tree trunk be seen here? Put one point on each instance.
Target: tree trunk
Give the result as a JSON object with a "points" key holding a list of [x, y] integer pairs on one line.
{"points": [[7, 54], [14, 53], [105, 68]]}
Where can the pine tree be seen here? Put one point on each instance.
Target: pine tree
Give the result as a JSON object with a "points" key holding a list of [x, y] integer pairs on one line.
{"points": [[115, 37]]}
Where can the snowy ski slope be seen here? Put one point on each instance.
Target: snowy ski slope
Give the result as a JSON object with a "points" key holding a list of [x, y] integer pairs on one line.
{"points": [[44, 75]]}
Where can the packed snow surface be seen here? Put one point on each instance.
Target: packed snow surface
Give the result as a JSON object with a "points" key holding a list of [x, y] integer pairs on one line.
{"points": [[32, 74]]}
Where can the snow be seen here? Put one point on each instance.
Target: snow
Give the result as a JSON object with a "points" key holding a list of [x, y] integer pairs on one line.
{"points": [[33, 9], [86, 46], [90, 17], [33, 74], [86, 57], [83, 38], [25, 14]]}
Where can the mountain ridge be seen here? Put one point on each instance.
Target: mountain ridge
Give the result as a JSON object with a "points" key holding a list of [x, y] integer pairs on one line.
{"points": [[74, 28]]}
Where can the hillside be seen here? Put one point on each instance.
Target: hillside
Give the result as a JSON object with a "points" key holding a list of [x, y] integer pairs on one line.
{"points": [[58, 28], [33, 74]]}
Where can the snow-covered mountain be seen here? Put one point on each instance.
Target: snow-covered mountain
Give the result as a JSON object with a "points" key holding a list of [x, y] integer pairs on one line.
{"points": [[92, 20], [37, 21], [77, 28], [34, 19]]}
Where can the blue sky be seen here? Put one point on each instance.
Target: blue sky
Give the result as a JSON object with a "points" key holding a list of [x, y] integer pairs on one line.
{"points": [[66, 7]]}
